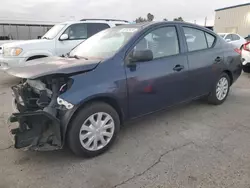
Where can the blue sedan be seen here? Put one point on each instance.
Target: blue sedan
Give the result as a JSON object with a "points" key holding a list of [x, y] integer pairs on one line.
{"points": [[119, 74]]}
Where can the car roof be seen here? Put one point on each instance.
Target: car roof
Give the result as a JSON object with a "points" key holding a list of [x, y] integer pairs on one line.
{"points": [[155, 23], [227, 33], [96, 21], [107, 20]]}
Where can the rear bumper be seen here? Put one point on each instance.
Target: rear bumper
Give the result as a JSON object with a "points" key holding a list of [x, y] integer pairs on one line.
{"points": [[245, 63], [245, 57]]}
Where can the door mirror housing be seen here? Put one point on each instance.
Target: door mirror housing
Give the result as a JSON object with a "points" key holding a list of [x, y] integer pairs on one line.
{"points": [[64, 37], [141, 56], [228, 40]]}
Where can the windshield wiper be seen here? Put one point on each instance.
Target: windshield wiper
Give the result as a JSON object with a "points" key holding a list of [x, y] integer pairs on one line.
{"points": [[74, 56], [77, 57], [45, 38], [84, 58]]}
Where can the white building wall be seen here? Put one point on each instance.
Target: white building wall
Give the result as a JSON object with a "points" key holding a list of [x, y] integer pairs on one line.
{"points": [[235, 20]]}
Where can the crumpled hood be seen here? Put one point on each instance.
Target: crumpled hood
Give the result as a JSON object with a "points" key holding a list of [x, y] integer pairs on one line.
{"points": [[53, 65]]}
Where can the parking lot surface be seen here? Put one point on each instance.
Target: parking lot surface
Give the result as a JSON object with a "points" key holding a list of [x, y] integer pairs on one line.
{"points": [[193, 145]]}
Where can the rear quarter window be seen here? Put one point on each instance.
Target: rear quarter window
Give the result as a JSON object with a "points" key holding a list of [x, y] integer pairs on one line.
{"points": [[210, 40]]}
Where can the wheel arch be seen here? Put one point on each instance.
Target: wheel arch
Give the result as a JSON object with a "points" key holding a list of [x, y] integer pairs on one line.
{"points": [[230, 75], [36, 57], [106, 99], [36, 54]]}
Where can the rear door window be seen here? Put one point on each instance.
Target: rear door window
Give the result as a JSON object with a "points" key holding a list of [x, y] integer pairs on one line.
{"points": [[235, 37], [195, 38]]}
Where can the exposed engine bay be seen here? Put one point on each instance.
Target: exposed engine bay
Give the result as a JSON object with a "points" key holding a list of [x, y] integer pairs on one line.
{"points": [[39, 112]]}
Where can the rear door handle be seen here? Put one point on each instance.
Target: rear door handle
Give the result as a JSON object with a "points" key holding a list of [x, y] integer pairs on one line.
{"points": [[218, 59], [178, 68]]}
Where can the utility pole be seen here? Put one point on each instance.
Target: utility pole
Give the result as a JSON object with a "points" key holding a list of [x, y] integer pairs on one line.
{"points": [[205, 21]]}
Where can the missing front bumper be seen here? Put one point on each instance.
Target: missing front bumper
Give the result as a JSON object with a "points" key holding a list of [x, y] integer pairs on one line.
{"points": [[37, 130]]}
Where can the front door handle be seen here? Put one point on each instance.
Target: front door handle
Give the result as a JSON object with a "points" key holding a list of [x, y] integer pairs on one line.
{"points": [[178, 68], [218, 59]]}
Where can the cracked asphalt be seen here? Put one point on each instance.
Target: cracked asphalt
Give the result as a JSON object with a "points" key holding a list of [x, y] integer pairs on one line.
{"points": [[193, 145]]}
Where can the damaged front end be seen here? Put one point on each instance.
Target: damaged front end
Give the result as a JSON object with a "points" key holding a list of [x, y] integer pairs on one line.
{"points": [[40, 111]]}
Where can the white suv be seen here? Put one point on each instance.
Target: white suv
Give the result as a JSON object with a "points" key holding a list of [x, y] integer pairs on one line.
{"points": [[59, 40]]}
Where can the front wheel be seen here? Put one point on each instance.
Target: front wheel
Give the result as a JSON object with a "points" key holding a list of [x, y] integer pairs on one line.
{"points": [[93, 130], [220, 90]]}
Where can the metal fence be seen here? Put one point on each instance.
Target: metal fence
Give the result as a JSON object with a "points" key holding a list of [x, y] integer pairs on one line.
{"points": [[22, 31]]}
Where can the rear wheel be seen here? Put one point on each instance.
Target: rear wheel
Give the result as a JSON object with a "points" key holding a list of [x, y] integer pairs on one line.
{"points": [[220, 90], [93, 130]]}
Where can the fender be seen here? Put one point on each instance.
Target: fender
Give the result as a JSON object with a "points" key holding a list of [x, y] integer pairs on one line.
{"points": [[101, 87], [69, 115], [31, 53]]}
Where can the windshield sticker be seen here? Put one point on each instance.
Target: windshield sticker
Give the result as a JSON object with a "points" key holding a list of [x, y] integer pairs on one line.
{"points": [[128, 30]]}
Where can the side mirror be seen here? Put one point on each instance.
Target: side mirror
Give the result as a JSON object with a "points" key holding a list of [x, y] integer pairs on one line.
{"points": [[64, 37], [228, 40], [141, 56]]}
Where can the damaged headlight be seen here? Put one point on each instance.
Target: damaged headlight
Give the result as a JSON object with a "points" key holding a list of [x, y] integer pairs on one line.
{"points": [[62, 102]]}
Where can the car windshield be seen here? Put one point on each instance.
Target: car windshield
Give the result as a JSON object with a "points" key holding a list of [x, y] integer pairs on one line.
{"points": [[222, 35], [105, 43], [53, 31]]}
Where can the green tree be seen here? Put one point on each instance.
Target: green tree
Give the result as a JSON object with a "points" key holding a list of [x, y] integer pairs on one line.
{"points": [[140, 19], [150, 17], [179, 19], [165, 19]]}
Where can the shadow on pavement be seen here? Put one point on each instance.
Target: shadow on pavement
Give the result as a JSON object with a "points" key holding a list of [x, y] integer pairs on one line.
{"points": [[8, 80]]}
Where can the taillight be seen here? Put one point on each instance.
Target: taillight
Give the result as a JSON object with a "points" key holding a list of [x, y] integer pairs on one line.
{"points": [[237, 50], [246, 46]]}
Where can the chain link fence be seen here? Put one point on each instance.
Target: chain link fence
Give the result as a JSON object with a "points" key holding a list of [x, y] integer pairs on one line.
{"points": [[22, 31]]}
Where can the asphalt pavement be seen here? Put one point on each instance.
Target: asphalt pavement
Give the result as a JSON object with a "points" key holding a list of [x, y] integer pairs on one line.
{"points": [[189, 146]]}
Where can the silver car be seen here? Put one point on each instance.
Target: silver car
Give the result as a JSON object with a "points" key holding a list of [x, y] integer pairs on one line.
{"points": [[235, 39]]}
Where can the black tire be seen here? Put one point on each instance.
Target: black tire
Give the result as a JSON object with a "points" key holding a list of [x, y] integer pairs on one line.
{"points": [[246, 69], [74, 129], [212, 98]]}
